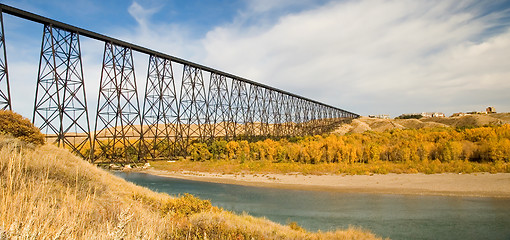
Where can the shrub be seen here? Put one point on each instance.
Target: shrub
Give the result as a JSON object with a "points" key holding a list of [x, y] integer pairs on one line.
{"points": [[199, 152], [295, 226], [409, 116], [16, 125]]}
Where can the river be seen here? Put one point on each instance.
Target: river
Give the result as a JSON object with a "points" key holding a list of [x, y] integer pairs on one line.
{"points": [[393, 216]]}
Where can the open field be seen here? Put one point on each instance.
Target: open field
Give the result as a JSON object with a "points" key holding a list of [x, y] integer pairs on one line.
{"points": [[48, 193]]}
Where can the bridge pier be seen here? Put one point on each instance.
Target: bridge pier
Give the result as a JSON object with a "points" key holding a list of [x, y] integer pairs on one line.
{"points": [[118, 128], [60, 107], [5, 92], [256, 109], [160, 110], [193, 114], [238, 107], [218, 100]]}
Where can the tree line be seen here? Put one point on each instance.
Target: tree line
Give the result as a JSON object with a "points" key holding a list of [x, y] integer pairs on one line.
{"points": [[481, 144]]}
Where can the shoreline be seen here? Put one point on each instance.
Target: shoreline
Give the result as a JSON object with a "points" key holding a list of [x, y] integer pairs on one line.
{"points": [[445, 184]]}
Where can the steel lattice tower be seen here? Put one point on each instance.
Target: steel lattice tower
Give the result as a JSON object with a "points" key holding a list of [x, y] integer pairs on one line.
{"points": [[245, 109], [278, 111], [160, 109], [270, 107], [255, 108], [296, 116], [118, 121], [238, 106], [5, 93], [218, 100], [60, 103], [305, 116], [249, 125], [287, 116], [192, 107]]}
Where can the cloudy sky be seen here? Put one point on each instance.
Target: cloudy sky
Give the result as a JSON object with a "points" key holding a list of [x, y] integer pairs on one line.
{"points": [[365, 56]]}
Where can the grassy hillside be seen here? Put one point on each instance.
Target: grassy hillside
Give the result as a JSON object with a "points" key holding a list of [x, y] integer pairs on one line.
{"points": [[48, 193], [364, 124]]}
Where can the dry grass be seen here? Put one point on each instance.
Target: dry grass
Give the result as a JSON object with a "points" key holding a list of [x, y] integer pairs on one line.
{"points": [[364, 124], [48, 193], [476, 120]]}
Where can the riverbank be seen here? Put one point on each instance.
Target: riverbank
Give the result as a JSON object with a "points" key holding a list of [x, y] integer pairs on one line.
{"points": [[445, 184]]}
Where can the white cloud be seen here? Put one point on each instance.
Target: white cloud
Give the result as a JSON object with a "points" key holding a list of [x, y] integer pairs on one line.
{"points": [[366, 56], [372, 56], [140, 14]]}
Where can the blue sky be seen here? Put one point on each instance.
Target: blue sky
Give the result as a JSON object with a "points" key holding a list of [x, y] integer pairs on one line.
{"points": [[366, 56]]}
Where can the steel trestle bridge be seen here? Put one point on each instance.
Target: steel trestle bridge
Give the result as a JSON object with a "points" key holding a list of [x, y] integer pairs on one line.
{"points": [[184, 102]]}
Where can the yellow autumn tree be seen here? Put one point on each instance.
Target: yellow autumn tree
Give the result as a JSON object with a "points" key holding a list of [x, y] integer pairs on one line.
{"points": [[232, 148]]}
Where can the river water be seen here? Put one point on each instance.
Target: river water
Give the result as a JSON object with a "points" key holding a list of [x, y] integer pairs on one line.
{"points": [[394, 216]]}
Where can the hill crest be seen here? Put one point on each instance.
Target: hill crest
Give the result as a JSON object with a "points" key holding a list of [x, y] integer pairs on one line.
{"points": [[363, 124]]}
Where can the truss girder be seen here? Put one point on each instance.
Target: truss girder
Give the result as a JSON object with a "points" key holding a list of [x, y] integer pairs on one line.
{"points": [[60, 107]]}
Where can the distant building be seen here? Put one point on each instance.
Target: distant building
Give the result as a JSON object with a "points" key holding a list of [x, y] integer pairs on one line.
{"points": [[487, 111], [432, 114], [438, 114]]}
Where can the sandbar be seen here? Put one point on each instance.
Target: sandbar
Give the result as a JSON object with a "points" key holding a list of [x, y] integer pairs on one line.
{"points": [[445, 184]]}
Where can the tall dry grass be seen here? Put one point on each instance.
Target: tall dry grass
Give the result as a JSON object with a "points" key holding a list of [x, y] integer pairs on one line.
{"points": [[48, 193]]}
